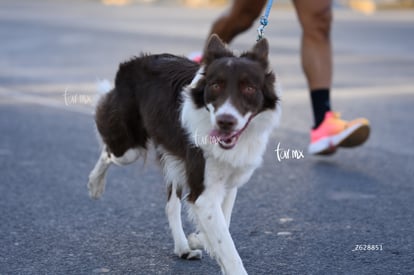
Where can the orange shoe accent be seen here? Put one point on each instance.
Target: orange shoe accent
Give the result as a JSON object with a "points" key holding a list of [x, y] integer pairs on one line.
{"points": [[335, 132]]}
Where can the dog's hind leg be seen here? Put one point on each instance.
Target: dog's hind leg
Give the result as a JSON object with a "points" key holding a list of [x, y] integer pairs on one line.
{"points": [[123, 136], [130, 156], [96, 183], [173, 211]]}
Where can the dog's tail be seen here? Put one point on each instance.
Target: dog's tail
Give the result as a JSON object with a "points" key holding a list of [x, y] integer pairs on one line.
{"points": [[103, 86]]}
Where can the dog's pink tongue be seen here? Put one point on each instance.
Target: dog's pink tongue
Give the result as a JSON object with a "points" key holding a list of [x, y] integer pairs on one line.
{"points": [[216, 134]]}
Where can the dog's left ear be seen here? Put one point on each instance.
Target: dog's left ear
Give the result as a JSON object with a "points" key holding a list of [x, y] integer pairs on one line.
{"points": [[215, 49], [260, 53]]}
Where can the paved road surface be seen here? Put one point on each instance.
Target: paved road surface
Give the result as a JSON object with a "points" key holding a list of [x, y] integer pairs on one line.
{"points": [[294, 217]]}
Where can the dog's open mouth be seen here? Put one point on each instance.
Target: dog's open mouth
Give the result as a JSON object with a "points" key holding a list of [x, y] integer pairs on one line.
{"points": [[226, 140]]}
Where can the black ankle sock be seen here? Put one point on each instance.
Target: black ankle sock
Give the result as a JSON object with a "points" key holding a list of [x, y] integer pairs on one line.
{"points": [[320, 104]]}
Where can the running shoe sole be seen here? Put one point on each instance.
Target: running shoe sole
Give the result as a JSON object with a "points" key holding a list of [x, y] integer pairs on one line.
{"points": [[350, 137]]}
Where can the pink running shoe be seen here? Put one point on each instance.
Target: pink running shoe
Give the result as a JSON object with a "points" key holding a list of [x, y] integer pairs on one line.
{"points": [[335, 132]]}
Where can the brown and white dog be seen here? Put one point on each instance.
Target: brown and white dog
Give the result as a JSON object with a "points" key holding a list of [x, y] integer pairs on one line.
{"points": [[209, 124]]}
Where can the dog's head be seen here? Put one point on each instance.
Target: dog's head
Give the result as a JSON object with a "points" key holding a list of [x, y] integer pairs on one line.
{"points": [[234, 89]]}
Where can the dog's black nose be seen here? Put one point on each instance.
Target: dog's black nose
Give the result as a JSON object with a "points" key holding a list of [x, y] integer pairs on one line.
{"points": [[226, 122]]}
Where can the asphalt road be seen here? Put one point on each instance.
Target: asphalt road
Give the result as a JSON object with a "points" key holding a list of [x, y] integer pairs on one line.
{"points": [[296, 216]]}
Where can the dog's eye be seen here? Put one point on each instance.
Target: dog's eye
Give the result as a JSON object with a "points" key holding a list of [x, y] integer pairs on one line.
{"points": [[248, 90], [216, 87]]}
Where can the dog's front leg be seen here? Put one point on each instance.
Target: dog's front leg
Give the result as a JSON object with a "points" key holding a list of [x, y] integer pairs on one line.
{"points": [[228, 203], [212, 223], [173, 210], [240, 177], [196, 240]]}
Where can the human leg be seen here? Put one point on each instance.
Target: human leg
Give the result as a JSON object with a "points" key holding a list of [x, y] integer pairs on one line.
{"points": [[239, 18], [329, 131], [315, 18]]}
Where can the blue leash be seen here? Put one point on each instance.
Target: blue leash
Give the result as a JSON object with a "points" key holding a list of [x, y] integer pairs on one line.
{"points": [[264, 20]]}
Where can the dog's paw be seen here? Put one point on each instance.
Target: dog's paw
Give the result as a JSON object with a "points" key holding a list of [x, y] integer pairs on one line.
{"points": [[196, 241], [96, 187], [184, 252], [195, 254]]}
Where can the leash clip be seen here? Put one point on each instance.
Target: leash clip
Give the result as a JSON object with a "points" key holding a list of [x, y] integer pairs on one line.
{"points": [[264, 20], [260, 30]]}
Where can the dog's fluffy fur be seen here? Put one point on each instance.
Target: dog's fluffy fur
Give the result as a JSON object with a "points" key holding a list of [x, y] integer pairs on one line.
{"points": [[209, 123]]}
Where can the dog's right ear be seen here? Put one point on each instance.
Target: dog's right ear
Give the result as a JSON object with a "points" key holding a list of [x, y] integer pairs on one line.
{"points": [[215, 48], [259, 53]]}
